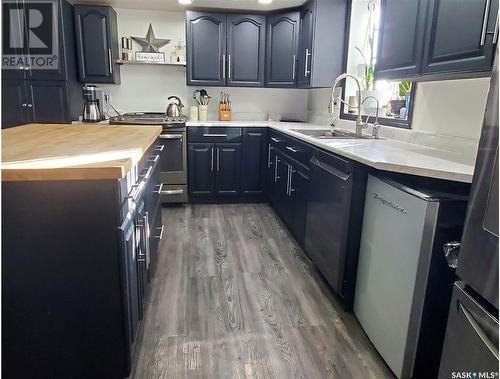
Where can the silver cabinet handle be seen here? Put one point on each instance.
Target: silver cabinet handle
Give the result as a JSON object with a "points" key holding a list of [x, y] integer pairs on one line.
{"points": [[148, 173], [161, 229], [146, 242], [218, 159], [110, 62], [485, 22], [26, 68], [269, 161], [275, 140], [223, 66], [160, 189], [479, 331], [212, 162], [155, 159], [171, 136], [159, 148], [229, 66], [293, 150], [214, 135], [290, 188], [307, 72], [30, 105], [293, 67], [276, 177], [25, 105], [21, 67], [495, 34], [288, 180], [173, 192]]}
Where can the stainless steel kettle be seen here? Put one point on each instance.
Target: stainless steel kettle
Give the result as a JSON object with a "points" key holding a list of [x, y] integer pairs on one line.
{"points": [[174, 109]]}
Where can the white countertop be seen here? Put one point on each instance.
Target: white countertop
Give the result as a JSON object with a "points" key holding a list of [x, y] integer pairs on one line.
{"points": [[382, 154]]}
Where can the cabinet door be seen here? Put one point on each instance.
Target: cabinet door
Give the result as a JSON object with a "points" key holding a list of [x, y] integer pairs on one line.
{"points": [[460, 36], [14, 103], [201, 169], [282, 44], [131, 285], [14, 49], [305, 45], [49, 101], [97, 44], [298, 191], [254, 160], [246, 50], [206, 48], [228, 168], [401, 38]]}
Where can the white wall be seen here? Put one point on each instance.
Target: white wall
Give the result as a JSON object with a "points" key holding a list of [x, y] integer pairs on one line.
{"points": [[146, 88]]}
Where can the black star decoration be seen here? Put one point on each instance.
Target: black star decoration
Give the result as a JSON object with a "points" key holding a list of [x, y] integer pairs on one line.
{"points": [[151, 44]]}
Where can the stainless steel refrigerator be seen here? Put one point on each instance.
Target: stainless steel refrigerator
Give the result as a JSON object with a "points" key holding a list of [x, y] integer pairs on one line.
{"points": [[471, 342]]}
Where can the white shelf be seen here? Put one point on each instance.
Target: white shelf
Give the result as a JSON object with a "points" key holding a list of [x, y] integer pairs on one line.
{"points": [[179, 64]]}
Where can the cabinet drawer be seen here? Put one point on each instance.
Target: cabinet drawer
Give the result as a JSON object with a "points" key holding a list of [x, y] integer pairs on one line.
{"points": [[214, 134], [298, 150]]}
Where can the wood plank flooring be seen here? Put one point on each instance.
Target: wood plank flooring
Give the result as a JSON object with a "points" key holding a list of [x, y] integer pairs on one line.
{"points": [[234, 296]]}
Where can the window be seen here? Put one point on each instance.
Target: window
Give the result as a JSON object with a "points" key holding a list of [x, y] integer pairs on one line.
{"points": [[395, 98]]}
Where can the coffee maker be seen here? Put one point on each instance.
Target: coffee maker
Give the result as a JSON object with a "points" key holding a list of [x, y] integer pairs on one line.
{"points": [[92, 104]]}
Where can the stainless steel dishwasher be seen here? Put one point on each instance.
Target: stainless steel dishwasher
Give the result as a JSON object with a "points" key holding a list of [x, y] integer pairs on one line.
{"points": [[328, 219]]}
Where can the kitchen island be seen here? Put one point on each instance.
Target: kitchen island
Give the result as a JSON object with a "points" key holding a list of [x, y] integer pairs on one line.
{"points": [[81, 225]]}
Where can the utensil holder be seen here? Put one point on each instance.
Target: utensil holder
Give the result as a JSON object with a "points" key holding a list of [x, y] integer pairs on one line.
{"points": [[193, 113], [203, 113], [225, 115]]}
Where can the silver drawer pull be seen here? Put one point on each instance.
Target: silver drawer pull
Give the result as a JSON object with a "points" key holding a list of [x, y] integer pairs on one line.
{"points": [[148, 173], [484, 28], [214, 135], [160, 188], [161, 229], [155, 159], [171, 136], [173, 192], [159, 148], [293, 150], [275, 140]]}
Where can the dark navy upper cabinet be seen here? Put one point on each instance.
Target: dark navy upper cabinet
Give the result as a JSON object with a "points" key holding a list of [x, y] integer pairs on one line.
{"points": [[281, 49], [97, 44], [461, 36], [436, 39], [321, 43], [14, 103], [206, 48], [245, 50]]}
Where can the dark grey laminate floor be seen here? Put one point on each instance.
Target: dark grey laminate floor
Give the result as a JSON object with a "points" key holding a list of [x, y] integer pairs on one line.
{"points": [[235, 297]]}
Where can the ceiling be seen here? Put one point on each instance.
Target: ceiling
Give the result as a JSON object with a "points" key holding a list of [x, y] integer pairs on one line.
{"points": [[173, 5]]}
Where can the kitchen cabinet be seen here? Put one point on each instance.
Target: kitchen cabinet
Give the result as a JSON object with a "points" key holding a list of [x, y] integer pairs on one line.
{"points": [[97, 44], [281, 49], [460, 36], [51, 53], [427, 39], [253, 161], [33, 92], [206, 48], [227, 168], [246, 50], [39, 101], [321, 42], [200, 169]]}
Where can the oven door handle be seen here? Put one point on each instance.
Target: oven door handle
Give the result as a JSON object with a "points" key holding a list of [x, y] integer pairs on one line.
{"points": [[171, 136]]}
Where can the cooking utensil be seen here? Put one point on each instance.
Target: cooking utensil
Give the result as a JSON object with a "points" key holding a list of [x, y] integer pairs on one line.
{"points": [[197, 96], [174, 109]]}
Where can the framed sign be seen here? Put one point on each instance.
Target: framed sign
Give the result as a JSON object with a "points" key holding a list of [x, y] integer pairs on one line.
{"points": [[149, 57]]}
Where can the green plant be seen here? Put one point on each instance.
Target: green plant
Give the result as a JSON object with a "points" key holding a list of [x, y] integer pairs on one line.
{"points": [[368, 45], [404, 88], [368, 77]]}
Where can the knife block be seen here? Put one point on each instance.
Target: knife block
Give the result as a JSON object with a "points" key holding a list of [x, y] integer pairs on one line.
{"points": [[225, 115]]}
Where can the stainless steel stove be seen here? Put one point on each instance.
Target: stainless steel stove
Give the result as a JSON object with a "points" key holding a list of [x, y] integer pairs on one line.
{"points": [[149, 118], [173, 157]]}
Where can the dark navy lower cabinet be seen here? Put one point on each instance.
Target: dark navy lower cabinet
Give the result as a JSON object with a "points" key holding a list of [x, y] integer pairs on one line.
{"points": [[253, 161], [227, 169], [201, 169]]}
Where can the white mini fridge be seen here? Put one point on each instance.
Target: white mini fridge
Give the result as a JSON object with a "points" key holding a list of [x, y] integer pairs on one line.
{"points": [[404, 282]]}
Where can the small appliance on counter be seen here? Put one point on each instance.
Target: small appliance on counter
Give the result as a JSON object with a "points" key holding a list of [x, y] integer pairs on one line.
{"points": [[404, 283], [92, 104], [173, 156]]}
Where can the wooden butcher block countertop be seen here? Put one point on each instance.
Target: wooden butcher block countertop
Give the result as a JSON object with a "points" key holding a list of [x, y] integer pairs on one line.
{"points": [[73, 152]]}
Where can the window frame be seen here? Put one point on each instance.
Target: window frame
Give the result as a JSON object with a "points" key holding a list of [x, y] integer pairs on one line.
{"points": [[382, 120]]}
